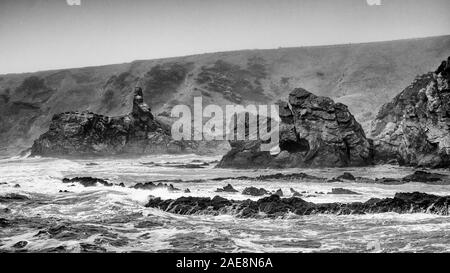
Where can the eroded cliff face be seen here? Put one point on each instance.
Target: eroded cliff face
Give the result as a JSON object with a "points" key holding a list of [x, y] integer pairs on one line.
{"points": [[314, 132], [90, 134], [413, 129]]}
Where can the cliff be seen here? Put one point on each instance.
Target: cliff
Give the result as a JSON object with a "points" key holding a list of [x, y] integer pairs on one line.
{"points": [[414, 128], [361, 76]]}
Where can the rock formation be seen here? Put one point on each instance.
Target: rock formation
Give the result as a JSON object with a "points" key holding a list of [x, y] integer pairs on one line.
{"points": [[314, 132], [274, 206], [87, 134], [413, 129]]}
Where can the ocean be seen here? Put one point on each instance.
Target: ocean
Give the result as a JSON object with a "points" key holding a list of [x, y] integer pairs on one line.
{"points": [[43, 214]]}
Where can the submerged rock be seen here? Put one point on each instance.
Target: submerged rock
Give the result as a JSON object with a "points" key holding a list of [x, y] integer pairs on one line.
{"points": [[413, 129], [91, 248], [314, 132], [341, 191], [148, 224], [4, 222], [388, 181], [20, 244], [274, 206], [12, 197]]}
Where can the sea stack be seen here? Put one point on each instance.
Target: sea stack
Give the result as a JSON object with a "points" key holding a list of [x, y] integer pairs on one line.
{"points": [[85, 133], [314, 132]]}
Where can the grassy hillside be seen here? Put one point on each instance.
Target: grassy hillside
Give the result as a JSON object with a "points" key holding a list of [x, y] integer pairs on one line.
{"points": [[363, 76]]}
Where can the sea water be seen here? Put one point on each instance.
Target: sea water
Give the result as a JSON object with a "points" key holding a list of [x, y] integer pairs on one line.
{"points": [[115, 218]]}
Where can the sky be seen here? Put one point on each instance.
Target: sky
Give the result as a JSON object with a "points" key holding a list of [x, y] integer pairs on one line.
{"points": [[52, 34]]}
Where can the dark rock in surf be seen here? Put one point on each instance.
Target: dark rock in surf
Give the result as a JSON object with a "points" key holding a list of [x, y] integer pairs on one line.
{"points": [[417, 176], [342, 191], [334, 179], [274, 206], [87, 181], [4, 223], [279, 192], [153, 186], [227, 188], [91, 248], [148, 224], [13, 197], [276, 176], [426, 177], [346, 176], [20, 244], [253, 191], [295, 193], [388, 181], [189, 166], [190, 205]]}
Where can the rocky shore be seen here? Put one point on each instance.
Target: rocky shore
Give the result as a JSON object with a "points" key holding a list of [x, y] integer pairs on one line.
{"points": [[275, 206]]}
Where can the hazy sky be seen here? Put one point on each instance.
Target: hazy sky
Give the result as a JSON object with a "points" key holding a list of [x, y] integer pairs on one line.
{"points": [[49, 34]]}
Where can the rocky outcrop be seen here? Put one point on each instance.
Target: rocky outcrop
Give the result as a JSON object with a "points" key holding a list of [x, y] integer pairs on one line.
{"points": [[274, 206], [314, 132], [413, 129], [87, 181], [90, 134], [227, 188], [253, 191], [426, 177], [154, 186], [346, 176]]}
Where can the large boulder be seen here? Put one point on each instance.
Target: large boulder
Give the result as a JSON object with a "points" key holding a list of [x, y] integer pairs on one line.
{"points": [[90, 134], [314, 132], [413, 129]]}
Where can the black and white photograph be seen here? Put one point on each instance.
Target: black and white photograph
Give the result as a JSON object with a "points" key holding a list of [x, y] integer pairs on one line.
{"points": [[224, 126]]}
